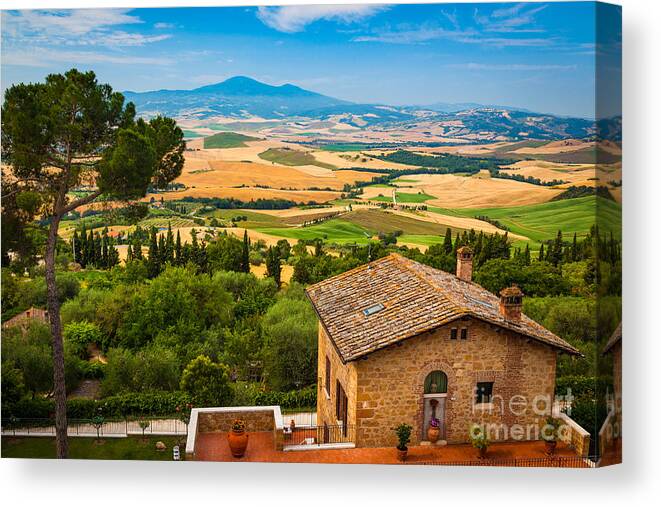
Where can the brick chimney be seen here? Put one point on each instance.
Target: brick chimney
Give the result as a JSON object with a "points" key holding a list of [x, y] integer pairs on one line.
{"points": [[511, 301], [465, 263]]}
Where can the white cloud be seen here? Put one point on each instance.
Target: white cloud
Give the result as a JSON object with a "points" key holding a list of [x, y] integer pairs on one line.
{"points": [[42, 57], [163, 26], [294, 18], [510, 67], [81, 27]]}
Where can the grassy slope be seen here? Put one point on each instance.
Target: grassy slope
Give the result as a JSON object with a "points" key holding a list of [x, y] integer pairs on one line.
{"points": [[351, 228], [404, 197], [542, 221], [227, 140], [292, 158], [334, 231], [85, 448], [255, 219]]}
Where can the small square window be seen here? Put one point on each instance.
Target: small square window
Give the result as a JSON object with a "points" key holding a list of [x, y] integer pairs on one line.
{"points": [[464, 333], [453, 333], [484, 392]]}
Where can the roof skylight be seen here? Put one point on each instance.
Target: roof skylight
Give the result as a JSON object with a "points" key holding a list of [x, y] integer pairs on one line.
{"points": [[373, 309]]}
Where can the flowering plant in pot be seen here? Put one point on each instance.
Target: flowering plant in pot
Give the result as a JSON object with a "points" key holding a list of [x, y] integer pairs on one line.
{"points": [[479, 440], [434, 430], [238, 438], [403, 432], [550, 433]]}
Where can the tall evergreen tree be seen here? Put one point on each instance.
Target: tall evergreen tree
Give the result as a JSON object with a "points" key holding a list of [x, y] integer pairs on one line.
{"points": [[169, 245], [154, 260], [447, 241], [245, 253], [177, 250], [540, 256], [273, 268]]}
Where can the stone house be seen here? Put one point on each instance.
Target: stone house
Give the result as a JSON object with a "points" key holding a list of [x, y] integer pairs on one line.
{"points": [[26, 317], [401, 342]]}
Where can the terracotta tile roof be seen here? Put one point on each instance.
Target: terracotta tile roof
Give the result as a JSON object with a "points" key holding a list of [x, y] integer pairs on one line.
{"points": [[415, 298], [614, 338]]}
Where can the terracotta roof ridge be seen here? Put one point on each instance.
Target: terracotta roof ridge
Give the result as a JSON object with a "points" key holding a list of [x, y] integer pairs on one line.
{"points": [[346, 274], [406, 262]]}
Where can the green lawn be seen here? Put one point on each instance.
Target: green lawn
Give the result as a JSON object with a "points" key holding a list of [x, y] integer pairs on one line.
{"points": [[227, 140], [133, 448], [290, 157], [541, 221]]}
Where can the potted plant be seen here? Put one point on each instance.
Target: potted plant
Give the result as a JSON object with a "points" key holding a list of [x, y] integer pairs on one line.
{"points": [[550, 434], [479, 440], [403, 432], [434, 430], [238, 438]]}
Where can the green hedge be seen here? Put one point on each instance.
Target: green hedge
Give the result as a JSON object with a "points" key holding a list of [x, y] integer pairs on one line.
{"points": [[302, 398], [123, 405], [583, 386], [156, 403]]}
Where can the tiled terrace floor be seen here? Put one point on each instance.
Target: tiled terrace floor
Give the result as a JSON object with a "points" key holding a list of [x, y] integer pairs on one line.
{"points": [[214, 447]]}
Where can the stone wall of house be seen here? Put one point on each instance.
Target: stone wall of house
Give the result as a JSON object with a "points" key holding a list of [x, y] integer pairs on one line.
{"points": [[390, 384], [256, 420], [327, 395]]}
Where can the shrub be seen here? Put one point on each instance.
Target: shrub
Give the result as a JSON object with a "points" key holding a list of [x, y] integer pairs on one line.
{"points": [[79, 335], [302, 398], [207, 382]]}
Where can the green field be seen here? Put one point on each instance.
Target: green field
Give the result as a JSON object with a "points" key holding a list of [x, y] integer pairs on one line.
{"points": [[353, 226], [405, 198], [133, 448], [227, 140], [175, 222], [344, 147], [254, 220], [332, 231], [381, 221], [541, 221], [289, 157], [421, 239], [190, 134]]}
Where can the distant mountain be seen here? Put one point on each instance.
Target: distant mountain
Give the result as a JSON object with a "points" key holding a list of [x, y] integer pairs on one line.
{"points": [[236, 97], [242, 97]]}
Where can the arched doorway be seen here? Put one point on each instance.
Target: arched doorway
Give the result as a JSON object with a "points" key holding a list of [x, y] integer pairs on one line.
{"points": [[435, 393]]}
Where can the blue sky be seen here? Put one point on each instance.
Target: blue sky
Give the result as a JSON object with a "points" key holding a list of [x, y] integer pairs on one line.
{"points": [[539, 56]]}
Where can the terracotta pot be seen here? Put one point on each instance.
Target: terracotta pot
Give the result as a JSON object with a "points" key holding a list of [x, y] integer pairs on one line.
{"points": [[550, 446], [401, 455], [482, 452], [238, 441], [433, 434]]}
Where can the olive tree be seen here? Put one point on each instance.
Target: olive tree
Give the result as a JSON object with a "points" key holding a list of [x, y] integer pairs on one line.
{"points": [[72, 133]]}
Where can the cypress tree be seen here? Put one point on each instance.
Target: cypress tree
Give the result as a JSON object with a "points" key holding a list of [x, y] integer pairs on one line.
{"points": [[104, 248], [129, 253], [540, 257], [526, 255], [169, 246], [245, 253], [447, 241], [137, 248], [153, 262], [273, 264], [177, 250], [75, 247]]}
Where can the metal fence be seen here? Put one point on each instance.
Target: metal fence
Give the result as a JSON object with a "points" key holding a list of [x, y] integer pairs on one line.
{"points": [[543, 462], [88, 427], [319, 435]]}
